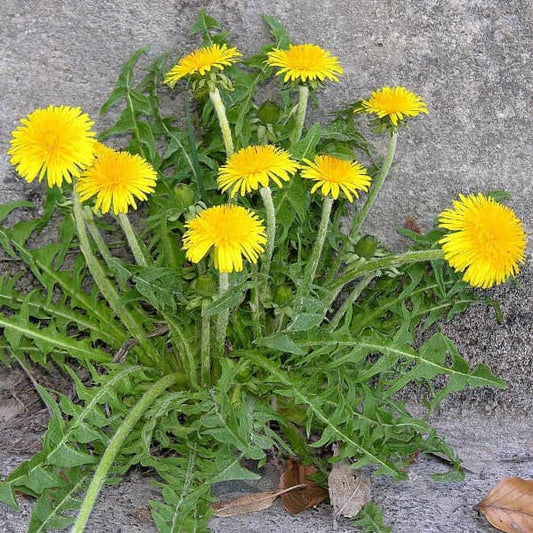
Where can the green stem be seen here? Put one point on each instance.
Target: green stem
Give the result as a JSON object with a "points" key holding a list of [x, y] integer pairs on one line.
{"points": [[376, 186], [354, 294], [223, 316], [383, 263], [115, 445], [135, 247], [312, 265], [222, 120], [303, 96], [266, 195], [255, 305], [102, 281], [97, 237], [205, 350]]}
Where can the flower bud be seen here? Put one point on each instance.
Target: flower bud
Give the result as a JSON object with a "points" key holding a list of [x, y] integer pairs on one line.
{"points": [[283, 295], [184, 195], [269, 112], [366, 246]]}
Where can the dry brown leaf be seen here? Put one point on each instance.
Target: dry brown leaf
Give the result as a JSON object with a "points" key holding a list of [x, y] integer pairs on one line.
{"points": [[299, 500], [251, 503], [509, 505], [347, 492]]}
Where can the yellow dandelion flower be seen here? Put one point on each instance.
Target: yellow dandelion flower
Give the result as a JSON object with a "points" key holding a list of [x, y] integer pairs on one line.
{"points": [[201, 61], [304, 62], [487, 243], [117, 179], [231, 230], [253, 167], [56, 142], [396, 103], [333, 175]]}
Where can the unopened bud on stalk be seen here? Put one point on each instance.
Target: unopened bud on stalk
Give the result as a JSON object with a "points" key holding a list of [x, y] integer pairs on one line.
{"points": [[283, 295], [184, 195], [366, 246], [269, 112]]}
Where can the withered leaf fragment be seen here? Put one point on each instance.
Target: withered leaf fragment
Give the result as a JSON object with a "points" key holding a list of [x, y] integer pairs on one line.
{"points": [[509, 505], [347, 492], [309, 496], [251, 503]]}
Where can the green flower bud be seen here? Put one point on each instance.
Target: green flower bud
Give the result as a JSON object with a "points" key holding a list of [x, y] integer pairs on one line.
{"points": [[366, 246], [269, 112], [184, 195], [283, 295]]}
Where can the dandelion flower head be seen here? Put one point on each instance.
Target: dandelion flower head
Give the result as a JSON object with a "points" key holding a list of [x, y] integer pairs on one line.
{"points": [[305, 62], [56, 142], [201, 61], [255, 166], [396, 103], [333, 175], [487, 240], [117, 179], [231, 230]]}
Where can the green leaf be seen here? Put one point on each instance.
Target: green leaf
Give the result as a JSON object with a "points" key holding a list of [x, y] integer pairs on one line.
{"points": [[67, 456], [204, 23], [305, 321], [280, 342], [278, 31], [230, 299], [306, 147], [7, 495], [6, 208]]}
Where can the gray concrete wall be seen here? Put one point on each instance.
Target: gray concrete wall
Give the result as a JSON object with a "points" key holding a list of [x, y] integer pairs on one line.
{"points": [[471, 60]]}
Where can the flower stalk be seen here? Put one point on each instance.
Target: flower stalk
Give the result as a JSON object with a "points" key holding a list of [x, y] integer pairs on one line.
{"points": [[220, 110], [266, 195], [135, 246], [312, 266], [303, 97], [223, 316], [376, 187], [205, 346]]}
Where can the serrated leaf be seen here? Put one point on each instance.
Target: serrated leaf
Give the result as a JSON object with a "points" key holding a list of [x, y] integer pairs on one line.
{"points": [[7, 495], [230, 299], [278, 31], [67, 456]]}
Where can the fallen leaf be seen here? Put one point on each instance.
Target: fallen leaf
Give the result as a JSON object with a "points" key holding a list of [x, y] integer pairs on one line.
{"points": [[509, 505], [251, 503], [347, 492], [309, 496]]}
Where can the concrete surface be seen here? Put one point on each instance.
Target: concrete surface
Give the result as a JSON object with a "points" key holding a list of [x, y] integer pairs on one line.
{"points": [[471, 61]]}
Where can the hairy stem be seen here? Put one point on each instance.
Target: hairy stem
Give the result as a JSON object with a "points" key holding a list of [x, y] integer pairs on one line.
{"points": [[223, 316], [303, 96], [266, 195], [385, 262], [354, 294], [220, 110], [116, 443], [135, 246], [376, 186], [205, 349], [312, 265]]}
